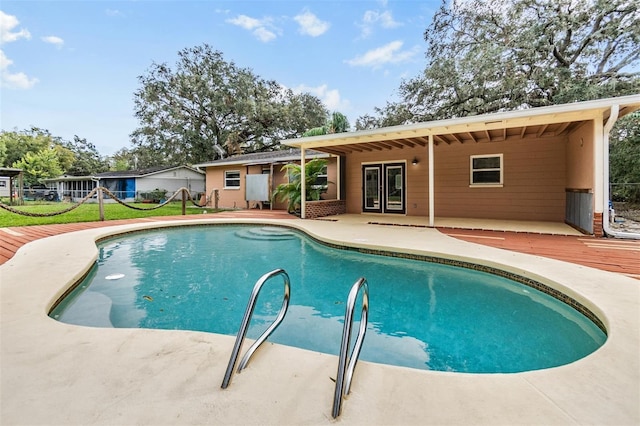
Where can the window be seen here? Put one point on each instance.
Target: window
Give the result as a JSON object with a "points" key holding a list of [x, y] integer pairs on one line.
{"points": [[321, 179], [486, 170], [232, 179], [3, 184]]}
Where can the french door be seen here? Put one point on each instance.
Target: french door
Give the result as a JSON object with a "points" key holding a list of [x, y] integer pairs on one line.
{"points": [[383, 188]]}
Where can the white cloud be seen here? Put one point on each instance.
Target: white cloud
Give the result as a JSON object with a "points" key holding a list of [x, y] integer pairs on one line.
{"points": [[310, 24], [373, 18], [263, 34], [330, 97], [7, 25], [245, 22], [260, 28], [8, 79], [113, 12], [390, 53], [13, 80], [56, 41], [4, 61]]}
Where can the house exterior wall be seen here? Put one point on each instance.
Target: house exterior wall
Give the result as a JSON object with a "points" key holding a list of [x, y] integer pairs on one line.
{"points": [[533, 189], [230, 198], [534, 181], [417, 197], [5, 189], [171, 181], [279, 177], [580, 154]]}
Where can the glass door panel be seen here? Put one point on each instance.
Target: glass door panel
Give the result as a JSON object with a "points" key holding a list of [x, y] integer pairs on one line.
{"points": [[394, 188], [371, 179]]}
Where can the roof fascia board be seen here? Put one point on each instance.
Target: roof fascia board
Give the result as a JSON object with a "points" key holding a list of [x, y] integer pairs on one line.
{"points": [[170, 169], [273, 160], [578, 111]]}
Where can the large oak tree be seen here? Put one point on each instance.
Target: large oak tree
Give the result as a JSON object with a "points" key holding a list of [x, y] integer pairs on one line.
{"points": [[206, 108], [502, 55]]}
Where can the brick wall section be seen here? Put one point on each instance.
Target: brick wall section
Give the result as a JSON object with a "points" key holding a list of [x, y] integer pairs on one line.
{"points": [[598, 230], [322, 208]]}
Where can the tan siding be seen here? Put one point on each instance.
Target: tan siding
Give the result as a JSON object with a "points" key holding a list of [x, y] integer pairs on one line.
{"points": [[332, 173], [229, 198], [234, 198], [534, 180], [580, 151], [417, 198]]}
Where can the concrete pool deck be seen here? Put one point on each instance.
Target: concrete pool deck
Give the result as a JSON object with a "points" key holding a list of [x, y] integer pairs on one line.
{"points": [[54, 373]]}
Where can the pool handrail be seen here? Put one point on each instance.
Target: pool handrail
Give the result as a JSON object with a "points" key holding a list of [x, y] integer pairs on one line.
{"points": [[247, 318], [345, 373]]}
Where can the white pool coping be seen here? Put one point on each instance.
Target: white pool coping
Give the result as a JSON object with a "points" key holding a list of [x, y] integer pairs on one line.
{"points": [[55, 373]]}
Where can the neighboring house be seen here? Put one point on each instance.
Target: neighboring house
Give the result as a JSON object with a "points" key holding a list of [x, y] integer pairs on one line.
{"points": [[131, 185], [540, 164], [5, 186], [248, 180], [11, 178]]}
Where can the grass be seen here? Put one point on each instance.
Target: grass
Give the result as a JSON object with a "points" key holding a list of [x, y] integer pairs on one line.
{"points": [[89, 212]]}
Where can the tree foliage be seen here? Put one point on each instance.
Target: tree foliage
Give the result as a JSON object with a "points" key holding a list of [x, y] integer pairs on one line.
{"points": [[19, 143], [624, 159], [206, 108], [501, 55], [338, 123], [87, 160], [3, 151], [39, 165], [43, 155]]}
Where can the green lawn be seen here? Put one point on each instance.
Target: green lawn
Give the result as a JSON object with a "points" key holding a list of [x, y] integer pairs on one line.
{"points": [[89, 212]]}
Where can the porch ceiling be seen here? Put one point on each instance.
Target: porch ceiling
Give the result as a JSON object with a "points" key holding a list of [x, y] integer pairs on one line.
{"points": [[532, 124], [464, 136]]}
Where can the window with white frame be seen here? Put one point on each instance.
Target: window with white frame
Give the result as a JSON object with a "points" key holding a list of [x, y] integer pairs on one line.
{"points": [[232, 179], [486, 170], [321, 179]]}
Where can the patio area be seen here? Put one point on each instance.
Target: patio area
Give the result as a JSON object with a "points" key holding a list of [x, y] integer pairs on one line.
{"points": [[54, 373]]}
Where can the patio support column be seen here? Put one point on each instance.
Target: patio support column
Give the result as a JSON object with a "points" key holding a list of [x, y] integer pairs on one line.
{"points": [[303, 184], [271, 197], [431, 183], [338, 177]]}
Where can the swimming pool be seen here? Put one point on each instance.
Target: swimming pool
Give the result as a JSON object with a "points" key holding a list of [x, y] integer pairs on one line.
{"points": [[422, 314]]}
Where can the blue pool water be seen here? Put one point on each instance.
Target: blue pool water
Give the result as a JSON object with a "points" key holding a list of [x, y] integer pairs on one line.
{"points": [[422, 315]]}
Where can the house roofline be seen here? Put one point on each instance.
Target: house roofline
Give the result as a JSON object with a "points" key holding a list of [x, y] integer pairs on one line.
{"points": [[251, 160], [577, 111]]}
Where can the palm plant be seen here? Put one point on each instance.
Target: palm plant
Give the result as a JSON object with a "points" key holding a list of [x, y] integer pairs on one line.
{"points": [[337, 124], [292, 191]]}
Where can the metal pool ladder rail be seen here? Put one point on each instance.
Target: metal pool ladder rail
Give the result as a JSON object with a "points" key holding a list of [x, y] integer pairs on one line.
{"points": [[247, 318], [343, 379]]}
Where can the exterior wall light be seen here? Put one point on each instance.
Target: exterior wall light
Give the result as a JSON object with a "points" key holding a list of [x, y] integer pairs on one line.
{"points": [[415, 161]]}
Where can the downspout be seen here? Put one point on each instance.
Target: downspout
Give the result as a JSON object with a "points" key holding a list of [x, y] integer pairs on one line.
{"points": [[615, 111]]}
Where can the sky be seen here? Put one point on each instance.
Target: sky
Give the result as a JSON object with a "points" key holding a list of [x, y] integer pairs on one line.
{"points": [[72, 67]]}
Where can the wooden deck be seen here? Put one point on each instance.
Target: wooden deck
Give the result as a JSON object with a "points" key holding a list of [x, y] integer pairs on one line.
{"points": [[613, 255], [608, 254]]}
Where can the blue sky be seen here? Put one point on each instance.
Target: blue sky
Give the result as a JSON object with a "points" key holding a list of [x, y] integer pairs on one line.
{"points": [[71, 67]]}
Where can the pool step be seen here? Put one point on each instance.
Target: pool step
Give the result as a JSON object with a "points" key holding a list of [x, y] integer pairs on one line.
{"points": [[266, 233]]}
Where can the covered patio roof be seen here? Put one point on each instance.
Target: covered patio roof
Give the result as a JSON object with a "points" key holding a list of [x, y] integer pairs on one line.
{"points": [[541, 122]]}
